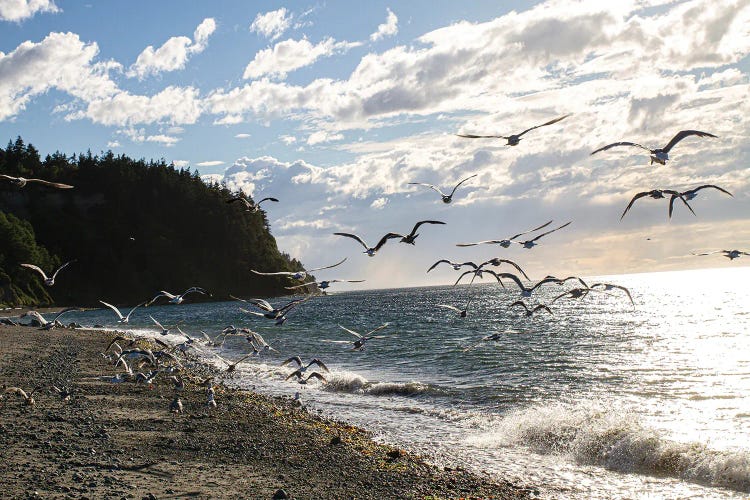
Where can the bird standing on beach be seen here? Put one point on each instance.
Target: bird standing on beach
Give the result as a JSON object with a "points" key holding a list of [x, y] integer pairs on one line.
{"points": [[447, 198], [21, 182], [659, 155], [49, 281], [514, 139]]}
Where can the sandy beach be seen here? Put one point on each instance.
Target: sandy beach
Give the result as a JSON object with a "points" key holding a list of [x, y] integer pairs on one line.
{"points": [[121, 441]]}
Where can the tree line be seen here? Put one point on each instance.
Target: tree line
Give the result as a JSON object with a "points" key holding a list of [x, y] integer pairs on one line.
{"points": [[134, 227]]}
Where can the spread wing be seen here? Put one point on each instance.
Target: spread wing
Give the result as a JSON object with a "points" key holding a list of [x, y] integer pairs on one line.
{"points": [[266, 199], [681, 135], [51, 184], [62, 267], [615, 144], [456, 187], [530, 230], [116, 310], [544, 124], [709, 186], [354, 237], [35, 268], [429, 186], [385, 238], [551, 231], [328, 267], [351, 331], [633, 200], [472, 136], [416, 226]]}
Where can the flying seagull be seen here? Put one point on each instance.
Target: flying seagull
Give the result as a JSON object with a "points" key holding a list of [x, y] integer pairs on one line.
{"points": [[48, 281], [461, 312], [691, 194], [322, 284], [530, 312], [532, 242], [494, 337], [659, 155], [177, 299], [609, 286], [447, 198], [359, 344], [729, 254], [658, 194], [409, 238], [123, 319], [298, 275], [21, 182], [250, 206], [456, 265], [370, 251], [48, 325], [303, 380], [514, 139], [505, 243]]}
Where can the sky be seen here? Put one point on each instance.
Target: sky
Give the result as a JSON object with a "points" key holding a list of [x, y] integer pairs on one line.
{"points": [[333, 107]]}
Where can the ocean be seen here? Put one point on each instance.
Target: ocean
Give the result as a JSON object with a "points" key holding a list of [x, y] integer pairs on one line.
{"points": [[602, 399]]}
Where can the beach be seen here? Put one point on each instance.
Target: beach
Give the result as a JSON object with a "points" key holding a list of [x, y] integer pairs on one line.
{"points": [[120, 440]]}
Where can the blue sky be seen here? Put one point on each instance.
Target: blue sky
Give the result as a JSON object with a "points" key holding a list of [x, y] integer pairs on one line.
{"points": [[333, 107]]}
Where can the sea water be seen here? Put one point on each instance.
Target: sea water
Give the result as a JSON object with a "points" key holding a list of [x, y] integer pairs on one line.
{"points": [[602, 399]]}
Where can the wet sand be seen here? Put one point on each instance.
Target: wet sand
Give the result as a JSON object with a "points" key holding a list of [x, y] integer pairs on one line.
{"points": [[121, 441]]}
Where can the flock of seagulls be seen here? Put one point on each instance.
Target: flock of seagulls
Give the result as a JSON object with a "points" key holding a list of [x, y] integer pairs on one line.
{"points": [[141, 362]]}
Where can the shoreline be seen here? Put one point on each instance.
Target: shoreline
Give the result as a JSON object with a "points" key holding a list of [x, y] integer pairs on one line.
{"points": [[119, 440]]}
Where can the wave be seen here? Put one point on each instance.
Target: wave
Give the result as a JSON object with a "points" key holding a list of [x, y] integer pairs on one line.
{"points": [[615, 440], [357, 384]]}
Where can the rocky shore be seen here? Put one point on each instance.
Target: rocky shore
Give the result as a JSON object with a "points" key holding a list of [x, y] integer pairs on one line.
{"points": [[120, 440]]}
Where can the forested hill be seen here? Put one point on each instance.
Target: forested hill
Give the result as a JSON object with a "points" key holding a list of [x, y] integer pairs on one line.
{"points": [[134, 228]]}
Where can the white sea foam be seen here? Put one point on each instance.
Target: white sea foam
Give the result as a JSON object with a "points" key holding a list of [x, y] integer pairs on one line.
{"points": [[596, 435], [356, 384]]}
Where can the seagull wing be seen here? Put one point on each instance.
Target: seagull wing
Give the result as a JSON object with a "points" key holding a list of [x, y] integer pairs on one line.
{"points": [[296, 359], [636, 197], [551, 231], [300, 286], [251, 312], [319, 363], [543, 307], [456, 186], [472, 136], [261, 304], [35, 268], [452, 308], [159, 324], [385, 238], [328, 267], [266, 199], [439, 262], [239, 198], [133, 309], [279, 273], [116, 310], [710, 186], [615, 144], [195, 289], [497, 262], [511, 277], [530, 230], [464, 274], [51, 184], [520, 303], [316, 375], [416, 226], [62, 267], [429, 186], [544, 124], [681, 135], [671, 202], [497, 242], [377, 329], [67, 309], [352, 332], [354, 237]]}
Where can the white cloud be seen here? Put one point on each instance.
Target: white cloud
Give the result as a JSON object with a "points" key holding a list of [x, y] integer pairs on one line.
{"points": [[388, 28], [323, 136], [181, 163], [288, 139], [290, 55], [174, 53], [272, 24], [114, 144], [167, 140], [176, 105], [18, 10], [60, 61], [241, 136], [379, 203], [211, 163]]}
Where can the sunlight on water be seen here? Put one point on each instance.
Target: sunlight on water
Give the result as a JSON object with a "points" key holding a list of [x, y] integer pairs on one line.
{"points": [[601, 400]]}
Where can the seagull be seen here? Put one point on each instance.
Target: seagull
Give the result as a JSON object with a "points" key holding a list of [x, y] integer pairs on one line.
{"points": [[525, 291], [729, 254], [370, 251], [514, 139], [298, 275], [232, 365], [532, 242], [48, 281], [409, 238], [496, 261], [28, 398], [270, 312], [530, 312], [48, 325], [250, 206], [322, 284], [562, 281], [505, 243], [609, 286], [659, 155], [359, 344], [303, 380], [690, 194], [178, 299], [456, 265], [262, 346], [447, 198], [21, 182], [461, 312], [478, 273], [494, 337], [658, 194], [302, 367], [575, 293], [124, 319]]}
